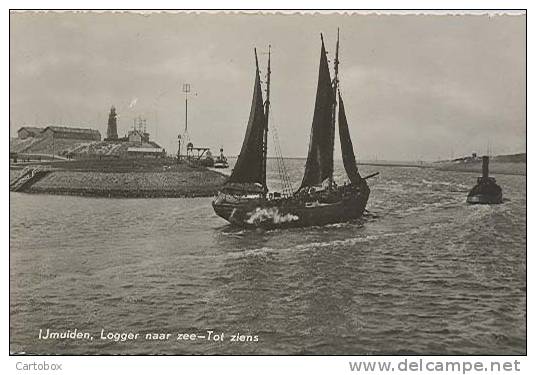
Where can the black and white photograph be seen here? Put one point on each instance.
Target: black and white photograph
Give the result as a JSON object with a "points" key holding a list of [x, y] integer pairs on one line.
{"points": [[262, 182]]}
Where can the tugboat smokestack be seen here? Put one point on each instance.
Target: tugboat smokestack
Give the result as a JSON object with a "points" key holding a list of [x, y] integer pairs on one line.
{"points": [[485, 166], [486, 191]]}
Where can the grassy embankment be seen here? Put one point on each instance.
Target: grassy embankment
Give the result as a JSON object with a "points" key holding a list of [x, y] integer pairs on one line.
{"points": [[129, 178]]}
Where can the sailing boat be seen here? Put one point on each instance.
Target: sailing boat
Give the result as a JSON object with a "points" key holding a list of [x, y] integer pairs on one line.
{"points": [[245, 201]]}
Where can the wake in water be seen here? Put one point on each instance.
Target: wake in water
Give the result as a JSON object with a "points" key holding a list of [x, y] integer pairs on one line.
{"points": [[262, 215], [343, 243]]}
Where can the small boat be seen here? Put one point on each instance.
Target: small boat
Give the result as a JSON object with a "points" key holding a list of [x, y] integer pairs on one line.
{"points": [[221, 161], [486, 191], [245, 200]]}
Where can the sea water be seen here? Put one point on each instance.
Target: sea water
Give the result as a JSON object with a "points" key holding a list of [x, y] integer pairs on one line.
{"points": [[423, 272]]}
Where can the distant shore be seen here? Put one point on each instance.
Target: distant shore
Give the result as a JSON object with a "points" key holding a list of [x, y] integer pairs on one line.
{"points": [[496, 167], [125, 179], [164, 178], [499, 168]]}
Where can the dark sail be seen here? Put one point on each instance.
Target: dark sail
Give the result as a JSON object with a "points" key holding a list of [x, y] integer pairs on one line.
{"points": [[249, 166], [347, 149], [319, 165]]}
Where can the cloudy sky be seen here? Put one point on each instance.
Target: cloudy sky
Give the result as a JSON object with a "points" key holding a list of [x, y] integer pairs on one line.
{"points": [[415, 86]]}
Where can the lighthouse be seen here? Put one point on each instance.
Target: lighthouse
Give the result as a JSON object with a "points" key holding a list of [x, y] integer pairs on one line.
{"points": [[111, 134]]}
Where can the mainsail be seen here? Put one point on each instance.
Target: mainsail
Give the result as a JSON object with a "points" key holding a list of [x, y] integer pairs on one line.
{"points": [[347, 149], [249, 166], [319, 165]]}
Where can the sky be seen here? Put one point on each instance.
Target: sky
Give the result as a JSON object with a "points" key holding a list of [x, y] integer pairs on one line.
{"points": [[415, 87]]}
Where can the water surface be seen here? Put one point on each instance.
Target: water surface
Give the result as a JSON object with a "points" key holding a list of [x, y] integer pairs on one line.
{"points": [[423, 272]]}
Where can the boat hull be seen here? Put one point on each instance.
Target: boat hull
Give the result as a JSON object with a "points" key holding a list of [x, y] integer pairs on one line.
{"points": [[484, 199], [291, 212], [486, 191]]}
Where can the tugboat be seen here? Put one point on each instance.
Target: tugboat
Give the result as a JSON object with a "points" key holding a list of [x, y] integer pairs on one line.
{"points": [[221, 161], [245, 201], [486, 190]]}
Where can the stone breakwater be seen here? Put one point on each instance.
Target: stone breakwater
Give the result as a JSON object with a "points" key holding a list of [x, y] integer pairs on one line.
{"points": [[185, 183]]}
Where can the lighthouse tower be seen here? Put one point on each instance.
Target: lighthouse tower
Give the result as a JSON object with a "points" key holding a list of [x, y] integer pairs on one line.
{"points": [[112, 125]]}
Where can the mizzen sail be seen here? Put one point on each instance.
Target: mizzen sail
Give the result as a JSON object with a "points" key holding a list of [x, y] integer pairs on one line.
{"points": [[319, 165], [347, 149], [249, 166]]}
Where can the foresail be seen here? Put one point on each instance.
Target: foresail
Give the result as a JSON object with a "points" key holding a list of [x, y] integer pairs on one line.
{"points": [[347, 149], [319, 165], [249, 166]]}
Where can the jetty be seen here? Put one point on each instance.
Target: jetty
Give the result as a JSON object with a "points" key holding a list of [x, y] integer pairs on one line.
{"points": [[118, 178], [75, 161], [28, 177]]}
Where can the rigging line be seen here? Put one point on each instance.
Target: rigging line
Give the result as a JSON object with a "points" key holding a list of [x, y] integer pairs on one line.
{"points": [[281, 177], [287, 176], [279, 155], [279, 162], [288, 185], [278, 159], [283, 174], [276, 155]]}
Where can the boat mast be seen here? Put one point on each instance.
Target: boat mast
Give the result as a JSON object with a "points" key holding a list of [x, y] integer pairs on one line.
{"points": [[336, 78], [335, 87], [266, 113]]}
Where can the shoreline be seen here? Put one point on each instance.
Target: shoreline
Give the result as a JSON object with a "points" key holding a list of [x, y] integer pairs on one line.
{"points": [[492, 172], [497, 168], [124, 179], [121, 194], [199, 183], [181, 181]]}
